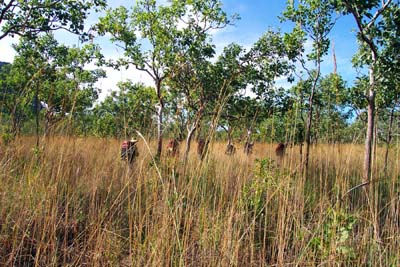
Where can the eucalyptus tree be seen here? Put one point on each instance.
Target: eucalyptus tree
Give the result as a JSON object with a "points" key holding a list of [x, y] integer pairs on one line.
{"points": [[239, 114], [389, 70], [386, 129], [379, 41], [31, 17], [270, 58], [70, 88], [195, 78], [374, 34], [155, 36], [14, 103], [129, 108], [248, 114], [387, 107], [205, 87], [19, 84], [332, 107], [295, 120], [386, 81], [314, 21], [55, 77], [192, 85], [254, 72]]}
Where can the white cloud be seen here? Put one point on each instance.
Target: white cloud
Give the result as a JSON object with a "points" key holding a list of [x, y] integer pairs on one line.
{"points": [[7, 52], [109, 84]]}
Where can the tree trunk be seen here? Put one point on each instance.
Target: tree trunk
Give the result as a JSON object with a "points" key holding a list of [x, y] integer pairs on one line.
{"points": [[375, 142], [14, 120], [310, 111], [308, 125], [246, 148], [301, 138], [317, 126], [46, 128], [48, 123], [191, 132], [301, 152], [370, 125], [160, 120], [230, 136], [188, 143], [388, 140], [37, 109]]}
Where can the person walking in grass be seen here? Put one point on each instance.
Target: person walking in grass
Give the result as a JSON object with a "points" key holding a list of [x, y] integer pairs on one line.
{"points": [[280, 152], [129, 150]]}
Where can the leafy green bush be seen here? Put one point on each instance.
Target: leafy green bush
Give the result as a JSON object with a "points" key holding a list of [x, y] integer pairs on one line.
{"points": [[254, 193]]}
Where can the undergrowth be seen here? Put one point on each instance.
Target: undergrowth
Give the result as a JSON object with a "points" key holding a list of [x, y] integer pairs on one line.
{"points": [[74, 202]]}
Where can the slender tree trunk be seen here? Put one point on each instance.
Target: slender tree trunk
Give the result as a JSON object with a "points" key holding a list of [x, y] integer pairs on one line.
{"points": [[301, 152], [316, 126], [37, 109], [46, 128], [191, 132], [310, 111], [388, 140], [246, 148], [14, 119], [368, 40], [71, 115], [302, 138], [370, 124], [334, 58], [309, 123], [198, 132], [48, 123], [160, 112], [188, 143], [375, 142], [230, 135]]}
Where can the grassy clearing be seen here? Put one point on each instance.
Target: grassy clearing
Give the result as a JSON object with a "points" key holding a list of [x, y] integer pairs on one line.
{"points": [[76, 203]]}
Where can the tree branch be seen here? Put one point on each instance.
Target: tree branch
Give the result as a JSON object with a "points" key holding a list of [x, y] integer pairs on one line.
{"points": [[362, 28], [6, 8], [378, 13]]}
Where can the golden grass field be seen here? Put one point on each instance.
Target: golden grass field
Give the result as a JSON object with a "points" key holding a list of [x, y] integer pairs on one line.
{"points": [[74, 203]]}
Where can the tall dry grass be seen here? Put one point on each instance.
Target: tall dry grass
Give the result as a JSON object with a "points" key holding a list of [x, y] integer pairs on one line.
{"points": [[75, 203]]}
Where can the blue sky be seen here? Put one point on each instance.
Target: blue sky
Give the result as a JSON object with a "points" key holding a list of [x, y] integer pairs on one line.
{"points": [[257, 16]]}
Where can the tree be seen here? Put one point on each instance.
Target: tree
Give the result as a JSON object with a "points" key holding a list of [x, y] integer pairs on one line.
{"points": [[51, 76], [371, 29], [29, 18], [204, 87], [313, 20], [295, 116], [192, 86], [243, 113], [124, 111], [240, 72], [160, 27], [268, 59], [386, 130], [332, 102], [389, 70], [14, 101]]}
